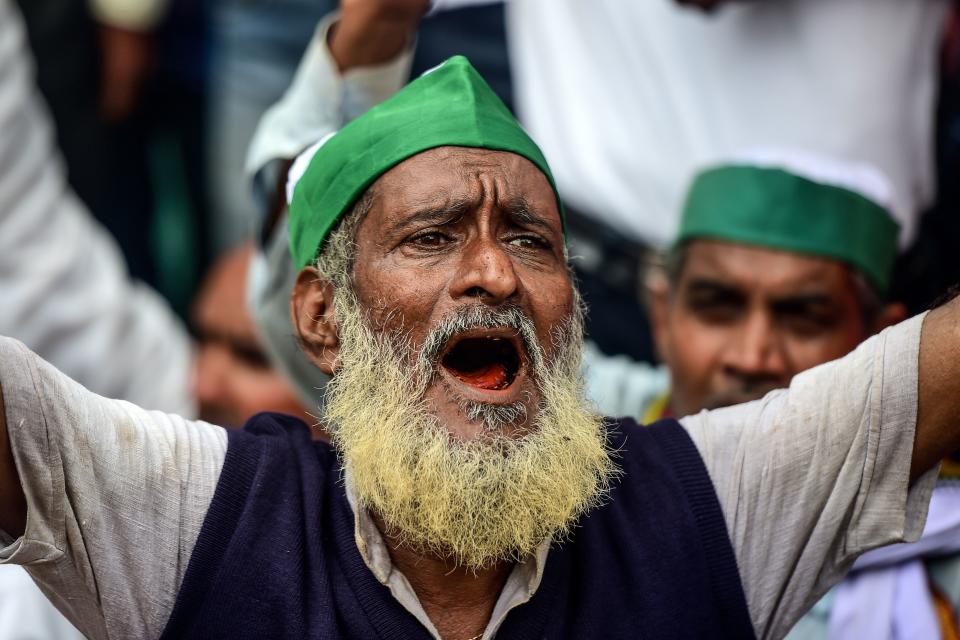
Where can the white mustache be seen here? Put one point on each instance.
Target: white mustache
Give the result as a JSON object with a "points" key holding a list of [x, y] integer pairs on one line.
{"points": [[481, 317]]}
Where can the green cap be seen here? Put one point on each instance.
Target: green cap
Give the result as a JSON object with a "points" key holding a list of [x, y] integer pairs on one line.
{"points": [[450, 105], [772, 207]]}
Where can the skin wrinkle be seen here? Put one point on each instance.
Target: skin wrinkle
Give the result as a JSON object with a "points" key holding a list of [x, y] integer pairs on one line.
{"points": [[482, 501], [736, 321], [458, 496], [404, 204]]}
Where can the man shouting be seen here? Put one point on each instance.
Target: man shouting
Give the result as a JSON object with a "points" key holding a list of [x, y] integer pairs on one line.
{"points": [[469, 492]]}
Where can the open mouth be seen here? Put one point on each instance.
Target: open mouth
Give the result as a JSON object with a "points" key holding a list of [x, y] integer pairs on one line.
{"points": [[488, 363]]}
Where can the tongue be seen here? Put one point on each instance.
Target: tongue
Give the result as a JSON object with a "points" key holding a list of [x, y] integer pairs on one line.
{"points": [[491, 376]]}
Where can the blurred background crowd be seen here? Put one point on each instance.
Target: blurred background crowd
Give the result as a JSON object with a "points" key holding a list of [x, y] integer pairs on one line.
{"points": [[154, 105]]}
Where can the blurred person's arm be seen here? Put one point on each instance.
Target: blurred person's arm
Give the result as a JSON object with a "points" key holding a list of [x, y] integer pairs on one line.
{"points": [[126, 51], [358, 57], [372, 32], [812, 476], [63, 281], [325, 94], [126, 58]]}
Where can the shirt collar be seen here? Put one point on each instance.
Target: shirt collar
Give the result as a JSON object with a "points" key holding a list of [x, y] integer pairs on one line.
{"points": [[521, 584]]}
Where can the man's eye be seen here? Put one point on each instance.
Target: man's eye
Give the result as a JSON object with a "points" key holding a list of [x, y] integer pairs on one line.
{"points": [[809, 325], [719, 313], [251, 356], [527, 242], [715, 310], [430, 239], [806, 319]]}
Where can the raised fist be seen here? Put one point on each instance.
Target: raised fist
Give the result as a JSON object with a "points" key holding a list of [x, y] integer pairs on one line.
{"points": [[373, 31]]}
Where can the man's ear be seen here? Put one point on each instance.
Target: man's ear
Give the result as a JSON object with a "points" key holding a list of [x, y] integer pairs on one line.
{"points": [[657, 297], [311, 311], [890, 314]]}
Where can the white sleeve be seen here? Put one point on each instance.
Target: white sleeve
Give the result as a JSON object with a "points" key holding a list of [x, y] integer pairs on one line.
{"points": [[619, 386], [321, 100], [132, 15], [812, 476], [116, 497], [63, 281]]}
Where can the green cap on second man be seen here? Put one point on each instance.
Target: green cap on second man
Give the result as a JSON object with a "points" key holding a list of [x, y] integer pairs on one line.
{"points": [[798, 202], [450, 105]]}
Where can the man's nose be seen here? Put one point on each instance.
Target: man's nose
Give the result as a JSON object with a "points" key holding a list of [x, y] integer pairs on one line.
{"points": [[757, 351], [486, 271]]}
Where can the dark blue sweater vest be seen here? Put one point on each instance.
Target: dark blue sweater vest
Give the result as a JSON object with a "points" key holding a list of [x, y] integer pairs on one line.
{"points": [[276, 556]]}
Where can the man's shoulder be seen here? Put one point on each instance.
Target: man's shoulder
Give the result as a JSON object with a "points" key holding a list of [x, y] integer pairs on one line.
{"points": [[659, 454], [664, 498], [275, 424], [625, 434], [270, 438]]}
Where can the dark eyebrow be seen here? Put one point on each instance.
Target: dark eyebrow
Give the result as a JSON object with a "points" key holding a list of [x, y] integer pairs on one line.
{"points": [[521, 211], [715, 287], [243, 346], [794, 303], [435, 215]]}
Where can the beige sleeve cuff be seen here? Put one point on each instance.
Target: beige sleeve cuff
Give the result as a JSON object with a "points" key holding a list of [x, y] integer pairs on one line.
{"points": [[37, 459], [889, 509]]}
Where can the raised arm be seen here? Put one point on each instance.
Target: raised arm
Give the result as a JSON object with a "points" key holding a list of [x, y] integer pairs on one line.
{"points": [[355, 60], [840, 463], [346, 70], [938, 410], [86, 484]]}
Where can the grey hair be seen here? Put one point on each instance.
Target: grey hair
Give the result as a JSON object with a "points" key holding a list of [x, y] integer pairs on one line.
{"points": [[335, 256]]}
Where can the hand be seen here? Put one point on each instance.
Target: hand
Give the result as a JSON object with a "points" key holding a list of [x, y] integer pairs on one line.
{"points": [[373, 31], [125, 60]]}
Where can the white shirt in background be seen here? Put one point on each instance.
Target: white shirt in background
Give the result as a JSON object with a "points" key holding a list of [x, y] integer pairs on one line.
{"points": [[64, 286], [628, 98]]}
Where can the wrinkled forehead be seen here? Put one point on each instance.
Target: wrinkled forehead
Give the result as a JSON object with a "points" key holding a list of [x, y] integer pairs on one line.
{"points": [[467, 178]]}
